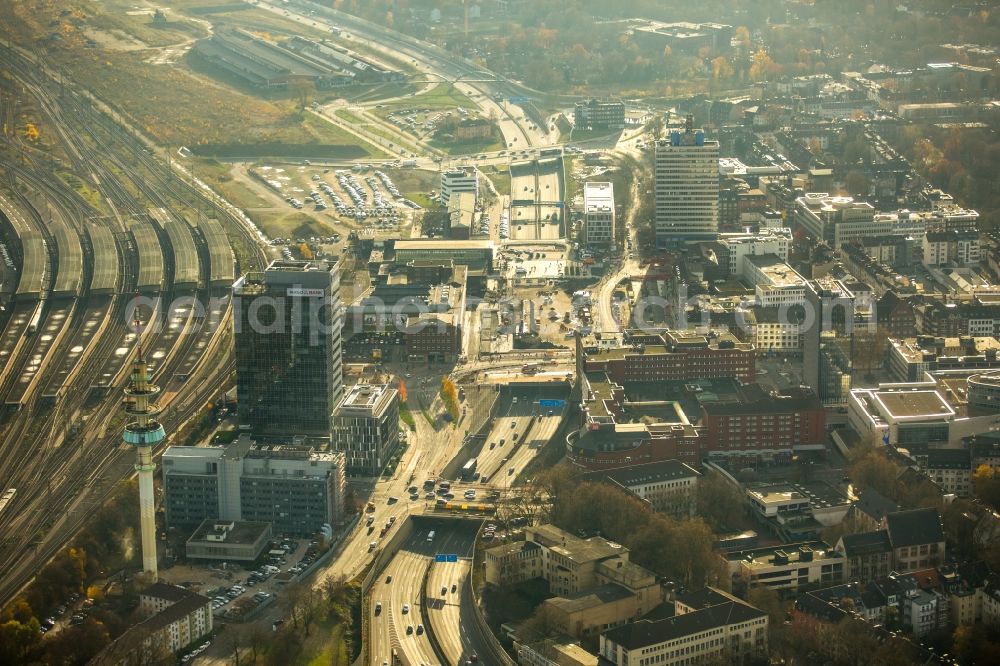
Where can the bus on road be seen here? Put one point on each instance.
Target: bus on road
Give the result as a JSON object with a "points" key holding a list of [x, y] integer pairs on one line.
{"points": [[469, 469]]}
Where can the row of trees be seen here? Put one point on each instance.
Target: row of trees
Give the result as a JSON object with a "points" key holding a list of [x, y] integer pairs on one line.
{"points": [[680, 550], [106, 544]]}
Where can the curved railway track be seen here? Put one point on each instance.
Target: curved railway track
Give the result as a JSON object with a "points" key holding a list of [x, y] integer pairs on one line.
{"points": [[82, 465]]}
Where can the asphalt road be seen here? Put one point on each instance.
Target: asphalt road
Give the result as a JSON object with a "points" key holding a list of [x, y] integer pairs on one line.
{"points": [[515, 128], [402, 583]]}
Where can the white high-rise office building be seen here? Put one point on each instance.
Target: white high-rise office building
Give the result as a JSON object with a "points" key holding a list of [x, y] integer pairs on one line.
{"points": [[462, 179], [687, 187], [599, 214]]}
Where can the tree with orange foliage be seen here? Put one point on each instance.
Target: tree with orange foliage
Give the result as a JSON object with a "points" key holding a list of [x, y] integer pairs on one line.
{"points": [[449, 396], [403, 393]]}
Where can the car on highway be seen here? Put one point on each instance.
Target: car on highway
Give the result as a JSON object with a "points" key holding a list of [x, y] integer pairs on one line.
{"points": [[378, 607], [406, 608], [388, 579], [420, 629], [454, 587], [409, 629], [372, 546], [444, 589]]}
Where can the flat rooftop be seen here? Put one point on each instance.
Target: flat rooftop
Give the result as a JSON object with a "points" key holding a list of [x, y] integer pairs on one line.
{"points": [[423, 245], [909, 404], [819, 494], [598, 197], [913, 350], [777, 272], [573, 547], [242, 532], [365, 395]]}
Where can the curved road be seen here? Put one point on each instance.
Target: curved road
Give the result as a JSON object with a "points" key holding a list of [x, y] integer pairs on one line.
{"points": [[430, 59]]}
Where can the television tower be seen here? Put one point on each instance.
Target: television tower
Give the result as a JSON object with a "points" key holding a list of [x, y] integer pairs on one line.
{"points": [[143, 432]]}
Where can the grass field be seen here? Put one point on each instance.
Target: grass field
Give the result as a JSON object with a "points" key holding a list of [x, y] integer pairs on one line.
{"points": [[89, 194], [354, 119], [415, 184], [443, 96], [495, 142], [571, 184], [501, 181], [173, 104], [289, 224]]}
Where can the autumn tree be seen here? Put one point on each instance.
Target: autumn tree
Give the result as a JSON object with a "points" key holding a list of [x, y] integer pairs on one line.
{"points": [[870, 345], [873, 470], [762, 66], [987, 485], [404, 395], [721, 69], [766, 599], [742, 36], [720, 502], [449, 396]]}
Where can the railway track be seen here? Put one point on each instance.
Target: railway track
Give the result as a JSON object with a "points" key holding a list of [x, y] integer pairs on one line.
{"points": [[83, 464]]}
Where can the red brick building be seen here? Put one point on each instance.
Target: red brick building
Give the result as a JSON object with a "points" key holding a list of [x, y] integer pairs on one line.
{"points": [[615, 432], [762, 427], [676, 356], [475, 128]]}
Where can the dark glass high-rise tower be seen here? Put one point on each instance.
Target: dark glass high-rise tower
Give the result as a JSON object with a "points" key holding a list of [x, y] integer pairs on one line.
{"points": [[288, 322]]}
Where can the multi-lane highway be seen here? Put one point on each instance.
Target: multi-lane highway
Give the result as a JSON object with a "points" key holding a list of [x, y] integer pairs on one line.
{"points": [[414, 597]]}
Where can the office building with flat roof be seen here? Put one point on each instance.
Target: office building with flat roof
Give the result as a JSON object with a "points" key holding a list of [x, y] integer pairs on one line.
{"points": [[476, 254], [839, 220], [775, 283], [675, 355], [228, 541], [462, 179], [288, 322], [912, 417], [686, 175], [596, 114], [599, 214], [366, 428], [787, 566], [295, 488]]}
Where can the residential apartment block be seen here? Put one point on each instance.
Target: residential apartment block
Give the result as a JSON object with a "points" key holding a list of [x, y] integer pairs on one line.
{"points": [[175, 618], [669, 486], [713, 627]]}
